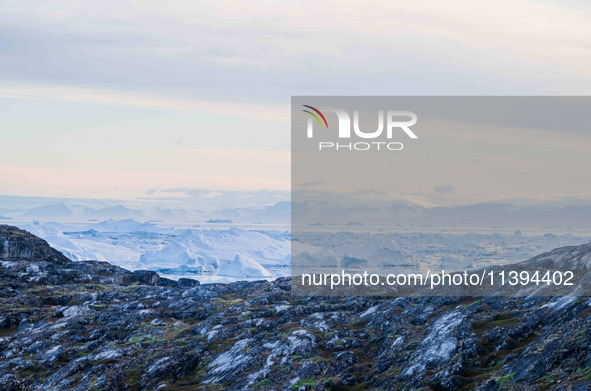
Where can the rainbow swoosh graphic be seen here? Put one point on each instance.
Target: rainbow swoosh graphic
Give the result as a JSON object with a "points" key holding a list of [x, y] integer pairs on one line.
{"points": [[316, 116]]}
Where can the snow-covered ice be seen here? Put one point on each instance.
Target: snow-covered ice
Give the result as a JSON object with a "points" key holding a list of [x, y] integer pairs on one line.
{"points": [[222, 254]]}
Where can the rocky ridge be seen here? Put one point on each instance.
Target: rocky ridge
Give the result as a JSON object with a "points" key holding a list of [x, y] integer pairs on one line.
{"points": [[93, 326]]}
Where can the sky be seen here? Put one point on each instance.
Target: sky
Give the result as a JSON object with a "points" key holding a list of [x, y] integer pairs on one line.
{"points": [[124, 100]]}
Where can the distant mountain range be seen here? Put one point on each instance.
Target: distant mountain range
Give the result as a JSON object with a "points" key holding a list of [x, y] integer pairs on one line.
{"points": [[198, 206], [489, 214], [64, 212], [477, 215], [57, 211]]}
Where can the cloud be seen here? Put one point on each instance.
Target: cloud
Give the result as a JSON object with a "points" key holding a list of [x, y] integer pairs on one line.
{"points": [[232, 155], [446, 189], [124, 98], [213, 194], [78, 183], [233, 51]]}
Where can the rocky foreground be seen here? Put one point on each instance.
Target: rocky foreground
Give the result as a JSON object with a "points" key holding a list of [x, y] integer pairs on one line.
{"points": [[93, 326]]}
